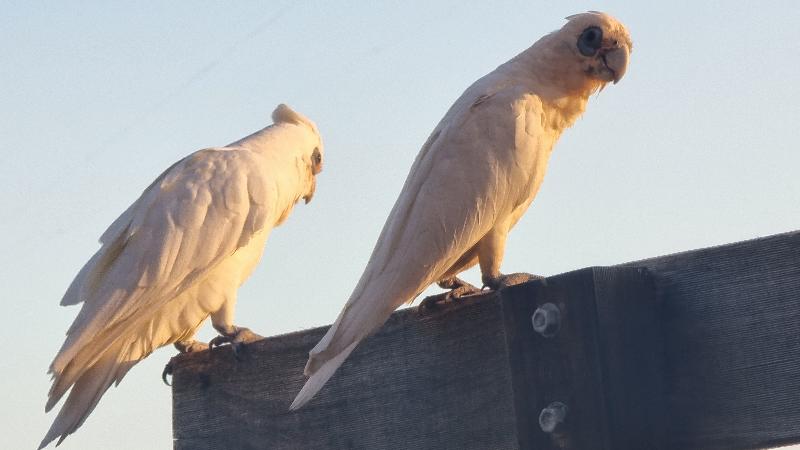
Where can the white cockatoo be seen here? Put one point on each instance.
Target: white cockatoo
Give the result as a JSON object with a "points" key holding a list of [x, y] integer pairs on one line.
{"points": [[474, 178], [178, 255]]}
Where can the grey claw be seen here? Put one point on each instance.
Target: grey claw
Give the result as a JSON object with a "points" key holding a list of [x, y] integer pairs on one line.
{"points": [[434, 302], [431, 302], [167, 371], [237, 340], [218, 342]]}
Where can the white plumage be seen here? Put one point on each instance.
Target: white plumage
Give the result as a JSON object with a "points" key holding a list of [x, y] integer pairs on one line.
{"points": [[474, 178], [178, 255]]}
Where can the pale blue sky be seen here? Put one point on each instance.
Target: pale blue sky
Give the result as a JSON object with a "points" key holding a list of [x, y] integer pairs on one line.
{"points": [[696, 146]]}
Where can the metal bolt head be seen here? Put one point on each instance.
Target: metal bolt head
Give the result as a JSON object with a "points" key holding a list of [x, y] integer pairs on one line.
{"points": [[551, 416], [546, 320]]}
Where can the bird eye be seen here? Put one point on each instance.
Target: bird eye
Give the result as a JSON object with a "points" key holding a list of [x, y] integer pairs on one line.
{"points": [[316, 161], [590, 41]]}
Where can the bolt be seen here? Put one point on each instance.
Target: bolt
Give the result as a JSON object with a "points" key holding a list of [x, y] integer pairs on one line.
{"points": [[546, 320], [550, 417]]}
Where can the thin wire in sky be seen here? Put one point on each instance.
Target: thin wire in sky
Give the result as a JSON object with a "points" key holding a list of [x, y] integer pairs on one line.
{"points": [[198, 75], [201, 73]]}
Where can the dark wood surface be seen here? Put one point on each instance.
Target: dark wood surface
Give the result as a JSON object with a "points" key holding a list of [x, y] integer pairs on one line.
{"points": [[439, 381], [603, 363], [731, 321], [699, 351], [631, 357]]}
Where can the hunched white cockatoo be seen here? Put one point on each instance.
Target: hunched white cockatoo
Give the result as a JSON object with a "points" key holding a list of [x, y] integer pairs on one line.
{"points": [[472, 180], [178, 255]]}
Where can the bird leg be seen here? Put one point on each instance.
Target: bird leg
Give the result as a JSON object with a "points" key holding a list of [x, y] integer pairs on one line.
{"points": [[490, 255], [458, 288], [501, 281], [237, 337], [187, 346]]}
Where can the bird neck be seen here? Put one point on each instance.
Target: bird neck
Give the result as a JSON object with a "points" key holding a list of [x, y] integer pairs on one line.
{"points": [[551, 71], [280, 149], [281, 143], [262, 139]]}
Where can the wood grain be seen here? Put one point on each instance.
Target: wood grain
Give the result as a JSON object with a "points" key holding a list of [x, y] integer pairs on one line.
{"points": [[438, 381], [602, 364], [697, 350], [731, 321]]}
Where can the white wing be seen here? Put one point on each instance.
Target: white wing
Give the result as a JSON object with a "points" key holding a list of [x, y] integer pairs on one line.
{"points": [[197, 213], [473, 172]]}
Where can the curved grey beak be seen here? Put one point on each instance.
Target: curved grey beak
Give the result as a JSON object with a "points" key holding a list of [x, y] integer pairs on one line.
{"points": [[616, 61]]}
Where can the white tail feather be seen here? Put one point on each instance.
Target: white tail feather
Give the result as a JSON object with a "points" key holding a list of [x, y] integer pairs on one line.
{"points": [[85, 394], [320, 377], [359, 319]]}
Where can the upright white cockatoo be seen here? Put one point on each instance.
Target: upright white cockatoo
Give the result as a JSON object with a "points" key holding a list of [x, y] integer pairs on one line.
{"points": [[178, 255], [474, 178]]}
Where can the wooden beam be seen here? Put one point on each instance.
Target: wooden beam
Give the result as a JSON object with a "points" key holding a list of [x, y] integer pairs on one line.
{"points": [[603, 364], [731, 322], [697, 351], [459, 378], [439, 381]]}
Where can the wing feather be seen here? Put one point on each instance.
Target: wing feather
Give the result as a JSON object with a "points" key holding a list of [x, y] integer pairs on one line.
{"points": [[462, 181], [193, 216]]}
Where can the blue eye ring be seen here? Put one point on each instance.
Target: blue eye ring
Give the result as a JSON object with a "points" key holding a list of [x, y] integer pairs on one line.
{"points": [[590, 41]]}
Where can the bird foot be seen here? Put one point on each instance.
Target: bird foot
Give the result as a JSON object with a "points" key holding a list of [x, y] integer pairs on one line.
{"points": [[458, 289], [503, 281], [237, 339], [191, 346]]}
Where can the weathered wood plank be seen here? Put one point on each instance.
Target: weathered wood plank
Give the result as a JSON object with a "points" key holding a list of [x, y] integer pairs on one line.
{"points": [[439, 381], [631, 354], [603, 362], [474, 377], [731, 320], [561, 368]]}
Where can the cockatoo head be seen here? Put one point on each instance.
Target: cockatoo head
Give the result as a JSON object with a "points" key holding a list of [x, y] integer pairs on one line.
{"points": [[307, 143], [598, 44]]}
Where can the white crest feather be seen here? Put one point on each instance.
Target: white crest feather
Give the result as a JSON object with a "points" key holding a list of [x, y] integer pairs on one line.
{"points": [[284, 114], [594, 13]]}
